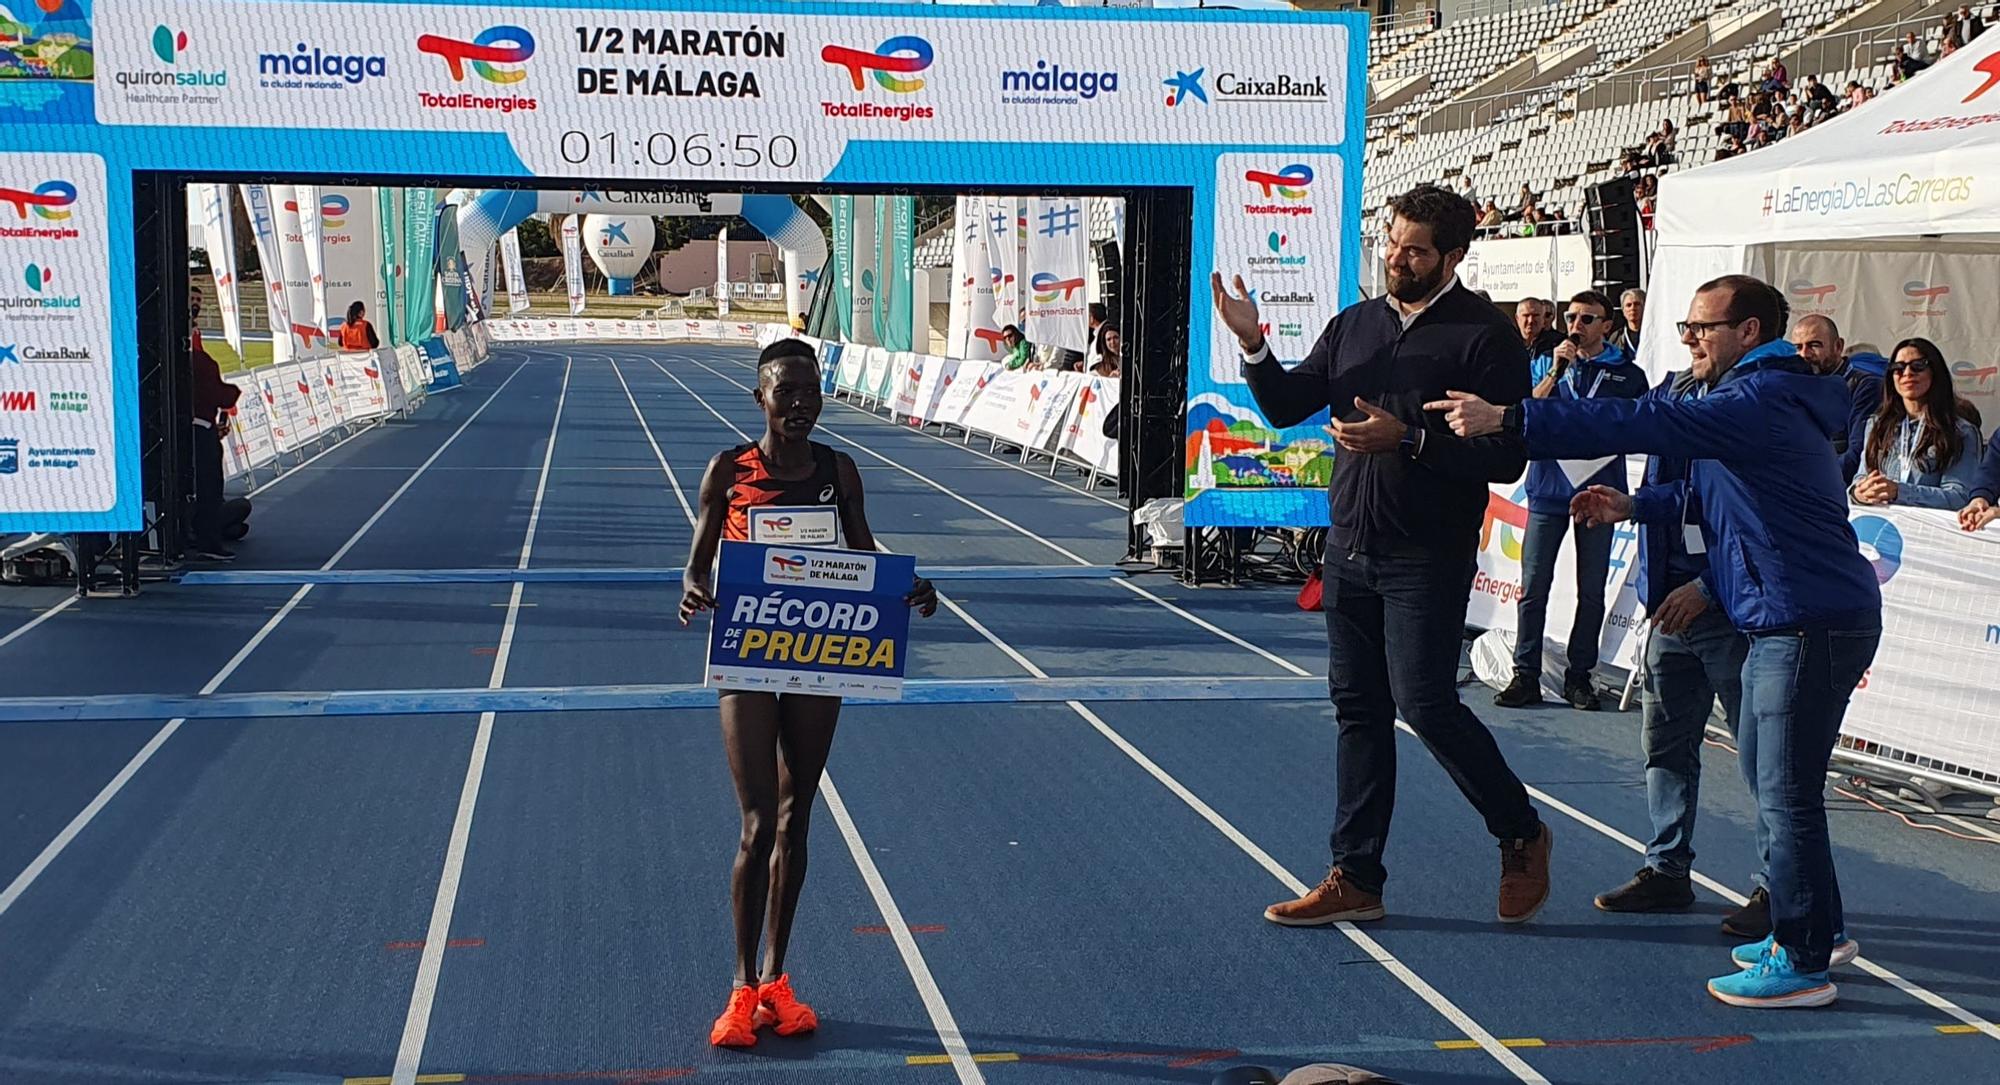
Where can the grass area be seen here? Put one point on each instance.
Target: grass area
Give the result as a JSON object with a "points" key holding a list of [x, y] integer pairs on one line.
{"points": [[255, 353], [258, 352]]}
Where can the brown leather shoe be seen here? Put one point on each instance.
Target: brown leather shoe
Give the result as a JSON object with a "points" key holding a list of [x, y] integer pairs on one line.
{"points": [[1524, 876], [1333, 900]]}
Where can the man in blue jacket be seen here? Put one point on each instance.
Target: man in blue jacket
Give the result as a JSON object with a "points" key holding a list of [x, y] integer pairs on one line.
{"points": [[1819, 344], [1694, 658], [1982, 510], [1582, 365], [1789, 573]]}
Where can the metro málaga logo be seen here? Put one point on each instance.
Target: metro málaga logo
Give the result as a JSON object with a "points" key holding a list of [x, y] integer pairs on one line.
{"points": [[891, 66], [498, 55]]}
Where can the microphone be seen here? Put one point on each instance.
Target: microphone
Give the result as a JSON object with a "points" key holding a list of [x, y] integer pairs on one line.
{"points": [[1575, 340]]}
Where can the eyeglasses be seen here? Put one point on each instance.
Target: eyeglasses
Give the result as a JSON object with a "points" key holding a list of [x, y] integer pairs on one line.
{"points": [[1585, 319], [1918, 366], [1700, 328]]}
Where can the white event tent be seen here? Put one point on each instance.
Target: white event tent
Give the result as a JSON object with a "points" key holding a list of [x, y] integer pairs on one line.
{"points": [[1886, 219]]}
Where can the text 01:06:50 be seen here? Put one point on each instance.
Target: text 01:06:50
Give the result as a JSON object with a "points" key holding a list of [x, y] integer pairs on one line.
{"points": [[699, 150]]}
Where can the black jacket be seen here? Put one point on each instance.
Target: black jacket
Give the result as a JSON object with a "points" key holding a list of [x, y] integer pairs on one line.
{"points": [[1397, 502]]}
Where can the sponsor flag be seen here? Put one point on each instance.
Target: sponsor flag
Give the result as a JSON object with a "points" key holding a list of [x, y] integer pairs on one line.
{"points": [[510, 257], [388, 221], [572, 242], [264, 231], [419, 274], [218, 232], [312, 240], [1058, 243], [896, 222]]}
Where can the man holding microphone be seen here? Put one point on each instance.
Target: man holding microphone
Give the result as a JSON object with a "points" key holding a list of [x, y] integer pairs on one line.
{"points": [[1406, 502], [1787, 569]]}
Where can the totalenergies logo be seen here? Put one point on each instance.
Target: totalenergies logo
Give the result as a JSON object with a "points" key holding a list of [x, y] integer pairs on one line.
{"points": [[1048, 288], [1989, 67], [50, 200], [1972, 377], [993, 338], [1512, 519], [1925, 298], [333, 210], [894, 64], [1812, 293], [1882, 544], [498, 55], [1290, 182], [999, 279]]}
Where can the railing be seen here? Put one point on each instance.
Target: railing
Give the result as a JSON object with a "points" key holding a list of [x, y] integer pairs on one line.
{"points": [[1835, 52]]}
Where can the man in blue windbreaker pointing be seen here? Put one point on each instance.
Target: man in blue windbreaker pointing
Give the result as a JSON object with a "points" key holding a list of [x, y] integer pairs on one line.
{"points": [[1786, 566]]}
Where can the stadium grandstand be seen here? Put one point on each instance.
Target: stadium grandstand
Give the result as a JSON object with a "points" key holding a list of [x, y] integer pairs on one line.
{"points": [[1530, 104]]}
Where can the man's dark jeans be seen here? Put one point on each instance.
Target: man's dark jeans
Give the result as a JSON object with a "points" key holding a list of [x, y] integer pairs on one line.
{"points": [[1394, 624], [1796, 685], [1538, 577]]}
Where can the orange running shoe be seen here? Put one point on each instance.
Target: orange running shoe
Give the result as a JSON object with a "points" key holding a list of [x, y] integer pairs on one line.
{"points": [[737, 1027], [777, 1007]]}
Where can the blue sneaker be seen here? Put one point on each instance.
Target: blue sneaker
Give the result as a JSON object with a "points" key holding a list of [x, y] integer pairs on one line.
{"points": [[1772, 983], [1747, 955]]}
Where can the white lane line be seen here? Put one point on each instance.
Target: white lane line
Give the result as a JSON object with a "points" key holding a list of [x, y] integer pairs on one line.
{"points": [[1916, 991], [943, 1022], [961, 446], [423, 995], [84, 817], [27, 626], [672, 480], [1025, 533], [1444, 1006], [70, 600]]}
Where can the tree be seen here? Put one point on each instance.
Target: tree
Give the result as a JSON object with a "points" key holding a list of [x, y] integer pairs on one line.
{"points": [[535, 238]]}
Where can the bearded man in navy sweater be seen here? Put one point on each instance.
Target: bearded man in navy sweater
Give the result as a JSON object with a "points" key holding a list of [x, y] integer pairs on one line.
{"points": [[1406, 503]]}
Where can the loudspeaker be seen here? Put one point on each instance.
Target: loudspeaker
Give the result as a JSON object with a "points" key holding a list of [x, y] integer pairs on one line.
{"points": [[1612, 211]]}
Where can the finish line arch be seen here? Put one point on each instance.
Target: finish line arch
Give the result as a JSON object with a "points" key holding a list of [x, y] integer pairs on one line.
{"points": [[492, 213], [1255, 117]]}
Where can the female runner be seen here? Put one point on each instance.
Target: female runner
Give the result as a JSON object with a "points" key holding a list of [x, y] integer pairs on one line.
{"points": [[777, 743]]}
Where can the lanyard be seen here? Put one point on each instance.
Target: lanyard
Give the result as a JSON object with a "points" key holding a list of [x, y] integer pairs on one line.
{"points": [[1599, 380], [1907, 445]]}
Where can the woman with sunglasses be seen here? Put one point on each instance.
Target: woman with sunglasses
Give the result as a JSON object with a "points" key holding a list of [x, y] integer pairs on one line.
{"points": [[1917, 450]]}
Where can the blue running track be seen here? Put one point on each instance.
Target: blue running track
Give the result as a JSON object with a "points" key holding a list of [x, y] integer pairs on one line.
{"points": [[1004, 893]]}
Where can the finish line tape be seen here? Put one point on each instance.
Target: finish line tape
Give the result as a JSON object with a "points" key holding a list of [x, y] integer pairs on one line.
{"points": [[471, 701], [208, 578]]}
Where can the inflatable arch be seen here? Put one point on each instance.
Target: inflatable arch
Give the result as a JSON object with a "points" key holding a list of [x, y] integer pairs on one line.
{"points": [[484, 216]]}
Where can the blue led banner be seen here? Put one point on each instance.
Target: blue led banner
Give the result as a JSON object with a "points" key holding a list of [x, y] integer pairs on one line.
{"points": [[1260, 114]]}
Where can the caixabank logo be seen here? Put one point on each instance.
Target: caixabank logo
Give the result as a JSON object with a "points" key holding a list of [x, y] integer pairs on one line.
{"points": [[174, 75], [497, 56], [894, 69]]}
